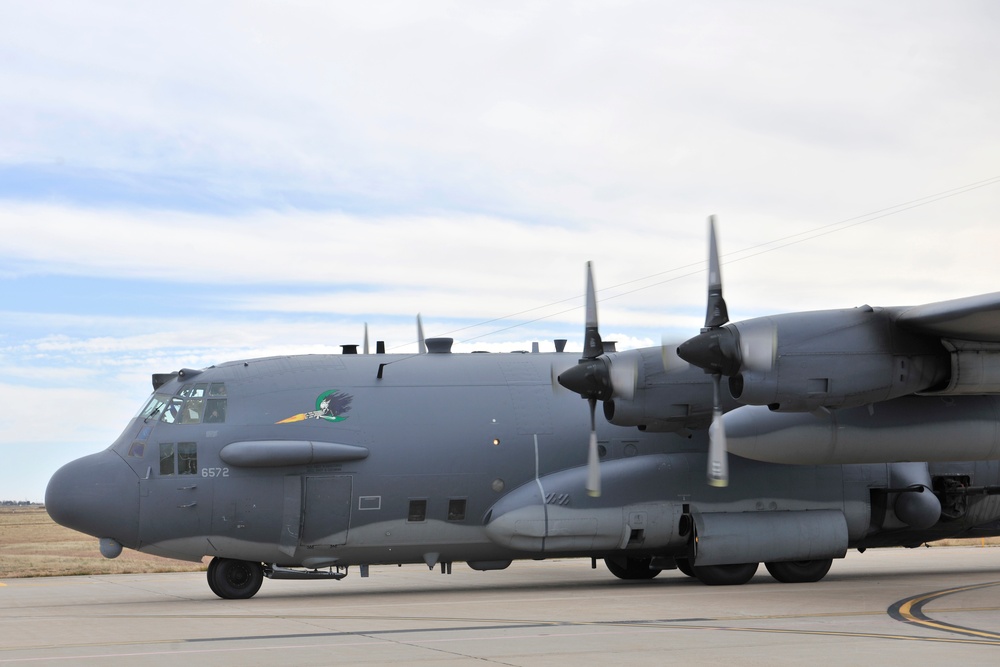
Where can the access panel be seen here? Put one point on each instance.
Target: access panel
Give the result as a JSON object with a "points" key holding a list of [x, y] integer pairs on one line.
{"points": [[326, 510]]}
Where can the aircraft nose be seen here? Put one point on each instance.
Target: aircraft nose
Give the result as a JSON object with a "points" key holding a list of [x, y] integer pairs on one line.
{"points": [[97, 495]]}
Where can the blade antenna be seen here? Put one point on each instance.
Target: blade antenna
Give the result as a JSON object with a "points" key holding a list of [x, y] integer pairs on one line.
{"points": [[366, 339], [421, 341]]}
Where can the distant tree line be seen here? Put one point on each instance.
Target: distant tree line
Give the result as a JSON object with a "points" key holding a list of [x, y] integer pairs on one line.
{"points": [[16, 503]]}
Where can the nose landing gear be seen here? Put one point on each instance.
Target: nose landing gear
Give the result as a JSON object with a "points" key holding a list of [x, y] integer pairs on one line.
{"points": [[232, 579]]}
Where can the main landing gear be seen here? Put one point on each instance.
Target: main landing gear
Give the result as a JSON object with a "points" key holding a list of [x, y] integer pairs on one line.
{"points": [[631, 568], [791, 572], [799, 571]]}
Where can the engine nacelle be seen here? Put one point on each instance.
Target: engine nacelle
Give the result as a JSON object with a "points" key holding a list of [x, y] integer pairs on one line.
{"points": [[664, 400], [834, 359]]}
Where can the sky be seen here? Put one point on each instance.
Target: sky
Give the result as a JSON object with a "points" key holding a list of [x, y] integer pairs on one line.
{"points": [[183, 184]]}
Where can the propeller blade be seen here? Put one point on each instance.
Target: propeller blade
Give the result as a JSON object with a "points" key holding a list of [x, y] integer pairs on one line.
{"points": [[421, 344], [716, 314], [593, 457], [592, 345], [624, 377], [718, 454]]}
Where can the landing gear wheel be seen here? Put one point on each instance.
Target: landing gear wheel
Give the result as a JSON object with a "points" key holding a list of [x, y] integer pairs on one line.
{"points": [[725, 575], [631, 568], [799, 571], [684, 565], [234, 579]]}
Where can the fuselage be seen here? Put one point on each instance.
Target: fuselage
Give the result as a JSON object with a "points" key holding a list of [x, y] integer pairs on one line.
{"points": [[440, 458]]}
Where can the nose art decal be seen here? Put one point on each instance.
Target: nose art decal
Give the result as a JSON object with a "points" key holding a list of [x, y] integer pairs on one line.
{"points": [[330, 405]]}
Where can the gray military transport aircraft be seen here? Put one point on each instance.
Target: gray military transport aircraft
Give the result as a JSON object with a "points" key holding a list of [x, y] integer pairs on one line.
{"points": [[855, 428]]}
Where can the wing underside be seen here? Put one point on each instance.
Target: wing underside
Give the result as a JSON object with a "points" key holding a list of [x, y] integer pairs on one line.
{"points": [[974, 318]]}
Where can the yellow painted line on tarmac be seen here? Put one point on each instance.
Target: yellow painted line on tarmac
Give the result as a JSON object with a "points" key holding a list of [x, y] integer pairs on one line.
{"points": [[910, 610]]}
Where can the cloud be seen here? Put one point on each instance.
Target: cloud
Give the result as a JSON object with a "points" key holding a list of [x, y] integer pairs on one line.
{"points": [[185, 184]]}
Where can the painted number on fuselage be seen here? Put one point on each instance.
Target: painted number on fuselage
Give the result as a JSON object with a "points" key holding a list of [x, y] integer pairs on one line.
{"points": [[215, 472]]}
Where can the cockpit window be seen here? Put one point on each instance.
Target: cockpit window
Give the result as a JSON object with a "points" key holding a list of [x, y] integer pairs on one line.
{"points": [[153, 407], [184, 463], [166, 458], [193, 390], [192, 410], [172, 412], [191, 406], [187, 458], [215, 411]]}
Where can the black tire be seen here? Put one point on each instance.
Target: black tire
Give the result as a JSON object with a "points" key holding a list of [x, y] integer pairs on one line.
{"points": [[633, 568], [725, 575], [799, 571], [232, 579], [684, 565]]}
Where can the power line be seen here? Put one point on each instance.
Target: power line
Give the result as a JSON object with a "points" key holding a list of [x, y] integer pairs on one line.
{"points": [[731, 257]]}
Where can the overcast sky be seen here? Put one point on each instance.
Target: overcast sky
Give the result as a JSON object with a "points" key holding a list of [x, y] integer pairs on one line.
{"points": [[186, 183]]}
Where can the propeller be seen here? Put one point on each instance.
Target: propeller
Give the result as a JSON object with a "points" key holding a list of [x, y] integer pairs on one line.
{"points": [[591, 379], [717, 351], [597, 377]]}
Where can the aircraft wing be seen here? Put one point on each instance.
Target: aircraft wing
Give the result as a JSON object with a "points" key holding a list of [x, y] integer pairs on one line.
{"points": [[975, 318]]}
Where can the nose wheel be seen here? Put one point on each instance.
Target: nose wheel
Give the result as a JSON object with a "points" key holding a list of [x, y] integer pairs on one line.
{"points": [[232, 579]]}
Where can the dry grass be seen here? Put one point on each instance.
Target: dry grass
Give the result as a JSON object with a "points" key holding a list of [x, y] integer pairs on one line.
{"points": [[33, 545]]}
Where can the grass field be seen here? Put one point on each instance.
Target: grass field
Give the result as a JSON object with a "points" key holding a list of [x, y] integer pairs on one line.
{"points": [[32, 545]]}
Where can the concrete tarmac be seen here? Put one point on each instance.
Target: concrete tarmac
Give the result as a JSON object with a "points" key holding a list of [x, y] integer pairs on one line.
{"points": [[922, 606]]}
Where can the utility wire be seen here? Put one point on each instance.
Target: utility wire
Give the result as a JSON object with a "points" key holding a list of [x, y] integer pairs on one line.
{"points": [[734, 256]]}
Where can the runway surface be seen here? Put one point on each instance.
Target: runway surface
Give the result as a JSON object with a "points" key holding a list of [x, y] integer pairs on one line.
{"points": [[923, 605]]}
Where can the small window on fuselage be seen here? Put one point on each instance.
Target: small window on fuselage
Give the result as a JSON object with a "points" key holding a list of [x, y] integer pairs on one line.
{"points": [[456, 509], [418, 511]]}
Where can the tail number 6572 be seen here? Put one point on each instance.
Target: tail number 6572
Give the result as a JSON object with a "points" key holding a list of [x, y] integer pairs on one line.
{"points": [[215, 472]]}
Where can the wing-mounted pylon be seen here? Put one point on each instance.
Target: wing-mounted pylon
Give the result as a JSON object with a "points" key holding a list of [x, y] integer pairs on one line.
{"points": [[597, 377]]}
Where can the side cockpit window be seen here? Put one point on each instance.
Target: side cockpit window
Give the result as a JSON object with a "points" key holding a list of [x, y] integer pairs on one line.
{"points": [[166, 458], [178, 459], [215, 404], [196, 403]]}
